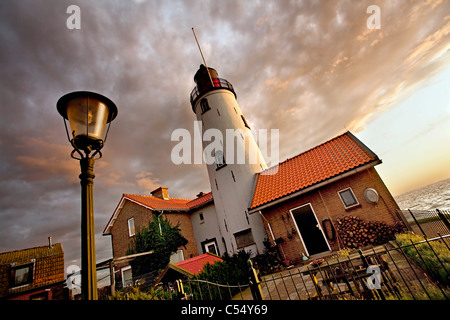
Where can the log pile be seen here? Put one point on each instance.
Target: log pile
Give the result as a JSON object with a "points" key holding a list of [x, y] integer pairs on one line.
{"points": [[355, 232]]}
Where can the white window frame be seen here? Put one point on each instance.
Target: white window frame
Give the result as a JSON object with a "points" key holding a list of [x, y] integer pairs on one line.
{"points": [[122, 271], [131, 231], [204, 105], [213, 242], [354, 196]]}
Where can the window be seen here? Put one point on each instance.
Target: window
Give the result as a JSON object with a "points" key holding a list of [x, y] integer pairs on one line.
{"points": [[127, 276], [210, 245], [21, 275], [202, 218], [244, 238], [204, 105], [245, 121], [348, 198], [131, 228], [220, 159]]}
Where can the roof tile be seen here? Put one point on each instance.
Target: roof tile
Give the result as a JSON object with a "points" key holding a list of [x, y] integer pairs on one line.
{"points": [[330, 159], [195, 265], [171, 203], [48, 266]]}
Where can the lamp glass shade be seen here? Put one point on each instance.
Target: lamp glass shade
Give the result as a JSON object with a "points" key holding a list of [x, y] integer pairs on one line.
{"points": [[87, 118]]}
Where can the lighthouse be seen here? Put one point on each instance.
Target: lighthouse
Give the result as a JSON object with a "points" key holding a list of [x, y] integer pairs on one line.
{"points": [[236, 161]]}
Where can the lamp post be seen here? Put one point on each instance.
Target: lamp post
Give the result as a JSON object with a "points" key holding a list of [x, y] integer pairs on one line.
{"points": [[88, 114]]}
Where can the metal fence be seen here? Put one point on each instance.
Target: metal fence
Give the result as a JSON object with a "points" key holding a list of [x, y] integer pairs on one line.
{"points": [[407, 268], [417, 270], [429, 223]]}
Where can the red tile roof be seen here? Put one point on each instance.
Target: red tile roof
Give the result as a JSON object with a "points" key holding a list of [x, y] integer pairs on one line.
{"points": [[158, 203], [330, 159], [173, 204], [200, 200], [48, 267], [155, 203], [195, 265]]}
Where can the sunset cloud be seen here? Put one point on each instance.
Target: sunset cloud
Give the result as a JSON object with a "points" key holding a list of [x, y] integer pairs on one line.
{"points": [[311, 69]]}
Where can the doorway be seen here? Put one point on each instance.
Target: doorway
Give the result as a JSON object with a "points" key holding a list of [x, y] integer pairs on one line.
{"points": [[310, 230]]}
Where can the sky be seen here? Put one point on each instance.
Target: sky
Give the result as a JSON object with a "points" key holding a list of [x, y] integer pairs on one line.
{"points": [[312, 69]]}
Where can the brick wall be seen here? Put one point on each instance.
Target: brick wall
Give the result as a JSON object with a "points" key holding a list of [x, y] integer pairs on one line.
{"points": [[326, 203], [120, 235]]}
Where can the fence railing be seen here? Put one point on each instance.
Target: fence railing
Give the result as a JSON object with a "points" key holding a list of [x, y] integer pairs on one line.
{"points": [[380, 272], [411, 267], [219, 83], [411, 270], [429, 223]]}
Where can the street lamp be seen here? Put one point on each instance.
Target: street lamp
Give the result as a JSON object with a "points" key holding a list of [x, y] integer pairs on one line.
{"points": [[88, 114]]}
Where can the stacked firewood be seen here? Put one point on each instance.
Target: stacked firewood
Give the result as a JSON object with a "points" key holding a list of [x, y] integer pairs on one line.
{"points": [[355, 232]]}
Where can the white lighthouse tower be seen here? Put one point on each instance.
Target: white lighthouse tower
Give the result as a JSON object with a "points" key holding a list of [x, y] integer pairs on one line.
{"points": [[237, 160]]}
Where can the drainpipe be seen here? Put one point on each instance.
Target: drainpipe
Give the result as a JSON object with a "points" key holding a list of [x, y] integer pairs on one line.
{"points": [[273, 237], [159, 223], [268, 224]]}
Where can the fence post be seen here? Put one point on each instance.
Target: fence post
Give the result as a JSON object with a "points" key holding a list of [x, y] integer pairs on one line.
{"points": [[417, 223], [180, 289], [255, 284]]}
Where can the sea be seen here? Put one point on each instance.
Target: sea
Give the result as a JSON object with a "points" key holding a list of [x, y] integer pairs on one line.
{"points": [[430, 197]]}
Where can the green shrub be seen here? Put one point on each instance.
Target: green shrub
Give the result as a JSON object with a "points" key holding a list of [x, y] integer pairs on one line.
{"points": [[232, 271], [436, 264], [134, 293]]}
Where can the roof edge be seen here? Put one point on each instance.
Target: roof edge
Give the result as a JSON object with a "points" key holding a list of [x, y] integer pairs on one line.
{"points": [[315, 186]]}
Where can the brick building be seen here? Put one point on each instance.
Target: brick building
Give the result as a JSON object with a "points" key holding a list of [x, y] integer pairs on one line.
{"points": [[294, 204], [33, 273], [301, 202], [135, 211]]}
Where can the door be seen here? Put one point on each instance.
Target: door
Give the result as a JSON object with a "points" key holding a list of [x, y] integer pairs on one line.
{"points": [[310, 230]]}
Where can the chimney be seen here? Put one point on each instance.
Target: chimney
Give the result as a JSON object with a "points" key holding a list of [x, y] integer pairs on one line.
{"points": [[161, 193], [50, 244], [200, 194]]}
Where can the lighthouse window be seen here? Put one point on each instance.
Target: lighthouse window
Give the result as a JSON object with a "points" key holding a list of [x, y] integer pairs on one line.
{"points": [[245, 121], [204, 105], [220, 159]]}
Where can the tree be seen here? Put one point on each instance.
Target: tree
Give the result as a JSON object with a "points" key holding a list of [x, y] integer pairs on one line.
{"points": [[160, 237]]}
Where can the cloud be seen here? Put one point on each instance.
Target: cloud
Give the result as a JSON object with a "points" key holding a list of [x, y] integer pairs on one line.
{"points": [[146, 182], [309, 68]]}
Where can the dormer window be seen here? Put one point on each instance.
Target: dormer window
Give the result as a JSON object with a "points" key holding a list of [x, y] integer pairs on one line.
{"points": [[21, 275], [204, 105]]}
